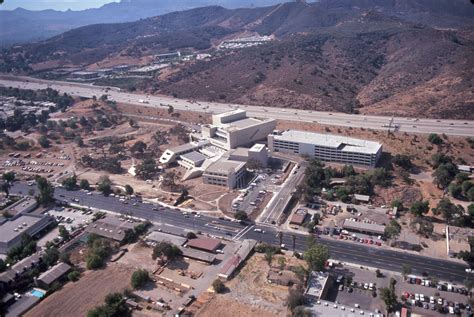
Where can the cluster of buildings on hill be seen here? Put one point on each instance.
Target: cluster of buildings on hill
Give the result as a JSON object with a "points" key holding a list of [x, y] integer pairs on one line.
{"points": [[234, 142], [8, 105]]}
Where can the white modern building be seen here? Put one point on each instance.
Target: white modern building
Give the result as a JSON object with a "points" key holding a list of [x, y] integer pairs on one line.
{"points": [[225, 172], [258, 153], [326, 147], [233, 129], [171, 155]]}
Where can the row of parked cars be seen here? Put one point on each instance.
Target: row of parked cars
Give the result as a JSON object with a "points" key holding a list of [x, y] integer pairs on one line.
{"points": [[440, 286], [435, 303]]}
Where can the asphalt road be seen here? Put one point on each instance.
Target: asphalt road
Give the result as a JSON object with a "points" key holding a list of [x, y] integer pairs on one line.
{"points": [[339, 250], [449, 127]]}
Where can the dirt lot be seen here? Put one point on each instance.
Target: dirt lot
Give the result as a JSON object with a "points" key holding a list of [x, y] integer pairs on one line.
{"points": [[75, 299], [250, 294], [225, 306]]}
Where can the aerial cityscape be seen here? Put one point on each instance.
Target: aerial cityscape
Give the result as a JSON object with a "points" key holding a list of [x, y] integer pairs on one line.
{"points": [[217, 158]]}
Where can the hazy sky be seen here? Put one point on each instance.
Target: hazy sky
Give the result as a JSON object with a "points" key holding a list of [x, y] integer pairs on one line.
{"points": [[53, 4]]}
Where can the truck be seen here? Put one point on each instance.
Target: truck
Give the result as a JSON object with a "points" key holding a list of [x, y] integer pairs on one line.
{"points": [[142, 101]]}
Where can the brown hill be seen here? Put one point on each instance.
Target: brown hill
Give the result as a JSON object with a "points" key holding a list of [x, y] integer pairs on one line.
{"points": [[401, 57]]}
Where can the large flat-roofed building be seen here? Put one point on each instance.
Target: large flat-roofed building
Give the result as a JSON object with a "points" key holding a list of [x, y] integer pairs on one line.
{"points": [[232, 129], [363, 227], [11, 231], [326, 147], [225, 172], [110, 227], [23, 206]]}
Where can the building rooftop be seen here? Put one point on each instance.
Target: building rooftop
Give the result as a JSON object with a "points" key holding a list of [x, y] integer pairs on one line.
{"points": [[240, 151], [225, 166], [363, 226], [299, 217], [345, 144], [110, 227], [240, 124], [187, 146], [198, 255], [317, 284], [207, 244], [257, 147], [194, 156], [359, 197], [161, 236], [23, 205], [54, 273], [11, 229]]}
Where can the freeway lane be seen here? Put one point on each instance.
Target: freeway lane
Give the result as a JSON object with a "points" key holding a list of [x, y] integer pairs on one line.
{"points": [[143, 210], [449, 127], [370, 256], [340, 250]]}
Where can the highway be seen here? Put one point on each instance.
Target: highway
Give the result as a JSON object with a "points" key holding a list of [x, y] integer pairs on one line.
{"points": [[411, 125], [340, 250]]}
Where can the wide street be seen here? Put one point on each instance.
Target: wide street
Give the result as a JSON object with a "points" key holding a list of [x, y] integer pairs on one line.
{"points": [[368, 256], [413, 125]]}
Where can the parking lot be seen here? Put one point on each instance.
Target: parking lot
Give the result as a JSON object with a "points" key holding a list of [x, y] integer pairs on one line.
{"points": [[354, 285], [71, 218]]}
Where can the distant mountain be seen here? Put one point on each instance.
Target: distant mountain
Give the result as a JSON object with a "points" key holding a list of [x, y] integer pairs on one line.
{"points": [[22, 26], [393, 57]]}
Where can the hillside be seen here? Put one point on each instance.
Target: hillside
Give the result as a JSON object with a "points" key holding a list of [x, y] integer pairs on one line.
{"points": [[395, 57], [23, 26]]}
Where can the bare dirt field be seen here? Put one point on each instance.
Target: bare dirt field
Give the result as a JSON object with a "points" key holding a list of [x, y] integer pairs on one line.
{"points": [[75, 299], [250, 294]]}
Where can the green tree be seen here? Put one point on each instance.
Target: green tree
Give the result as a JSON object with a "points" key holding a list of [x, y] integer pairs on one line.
{"points": [[5, 187], [419, 208], [8, 176], [104, 185], [392, 229], [51, 256], [348, 170], [448, 210], [94, 261], [455, 190], [397, 203], [73, 276], [45, 191], [70, 183], [269, 256], [139, 278], [191, 235], [166, 250], [79, 141], [43, 141], [316, 256], [218, 286], [84, 184], [402, 160], [387, 294], [138, 147], [128, 189], [444, 174], [63, 233], [241, 215], [435, 139]]}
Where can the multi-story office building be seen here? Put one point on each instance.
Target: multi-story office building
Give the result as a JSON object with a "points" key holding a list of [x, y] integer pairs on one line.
{"points": [[225, 172], [326, 147], [234, 129]]}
